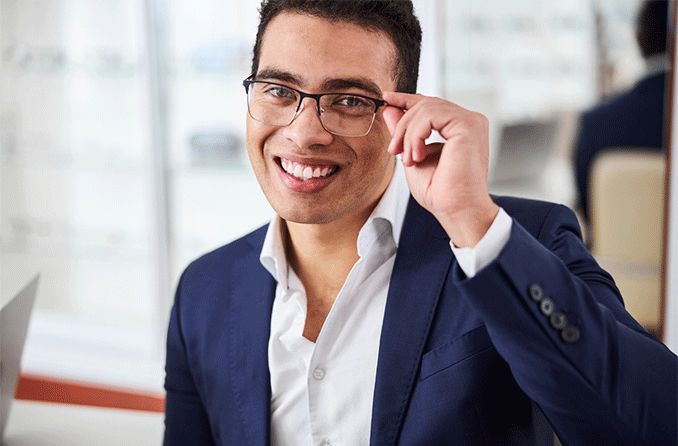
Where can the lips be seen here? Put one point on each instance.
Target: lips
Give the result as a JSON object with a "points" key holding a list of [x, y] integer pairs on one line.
{"points": [[305, 171], [305, 175]]}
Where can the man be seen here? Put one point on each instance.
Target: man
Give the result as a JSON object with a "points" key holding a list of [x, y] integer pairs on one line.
{"points": [[635, 118], [362, 315]]}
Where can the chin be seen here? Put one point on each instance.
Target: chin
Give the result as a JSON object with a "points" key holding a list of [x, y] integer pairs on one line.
{"points": [[308, 217]]}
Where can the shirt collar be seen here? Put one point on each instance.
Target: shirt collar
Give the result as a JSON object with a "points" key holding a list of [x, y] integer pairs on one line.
{"points": [[656, 64], [388, 215], [389, 212], [272, 255]]}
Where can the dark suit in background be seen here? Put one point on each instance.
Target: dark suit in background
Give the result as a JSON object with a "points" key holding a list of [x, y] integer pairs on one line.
{"points": [[632, 119]]}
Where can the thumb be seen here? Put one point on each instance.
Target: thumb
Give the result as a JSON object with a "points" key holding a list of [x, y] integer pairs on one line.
{"points": [[391, 116]]}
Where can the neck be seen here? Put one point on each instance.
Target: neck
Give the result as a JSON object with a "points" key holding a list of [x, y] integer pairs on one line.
{"points": [[317, 251], [322, 255]]}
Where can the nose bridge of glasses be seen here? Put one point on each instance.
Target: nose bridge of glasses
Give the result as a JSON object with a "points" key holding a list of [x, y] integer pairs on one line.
{"points": [[316, 106], [315, 98]]}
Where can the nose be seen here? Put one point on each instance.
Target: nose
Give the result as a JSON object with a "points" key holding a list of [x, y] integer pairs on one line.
{"points": [[306, 130]]}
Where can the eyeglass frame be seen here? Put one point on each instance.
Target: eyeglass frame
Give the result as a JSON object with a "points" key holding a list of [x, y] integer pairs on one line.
{"points": [[303, 95]]}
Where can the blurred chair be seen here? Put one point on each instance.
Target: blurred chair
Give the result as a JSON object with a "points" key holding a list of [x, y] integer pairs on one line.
{"points": [[627, 224]]}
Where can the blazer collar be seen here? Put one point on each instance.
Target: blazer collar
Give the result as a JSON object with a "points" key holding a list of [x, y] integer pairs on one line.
{"points": [[421, 267]]}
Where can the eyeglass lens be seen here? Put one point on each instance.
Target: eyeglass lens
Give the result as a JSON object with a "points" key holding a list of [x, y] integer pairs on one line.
{"points": [[340, 113]]}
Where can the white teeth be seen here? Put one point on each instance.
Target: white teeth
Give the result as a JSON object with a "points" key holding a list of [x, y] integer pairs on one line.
{"points": [[308, 173], [304, 172]]}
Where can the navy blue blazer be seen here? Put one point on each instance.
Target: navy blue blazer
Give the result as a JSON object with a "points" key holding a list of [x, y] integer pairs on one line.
{"points": [[537, 340], [632, 119]]}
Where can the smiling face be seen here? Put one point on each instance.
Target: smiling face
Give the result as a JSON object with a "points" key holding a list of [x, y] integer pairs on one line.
{"points": [[308, 174]]}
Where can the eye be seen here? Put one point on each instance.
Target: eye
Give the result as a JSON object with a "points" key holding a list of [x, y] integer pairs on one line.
{"points": [[353, 102], [279, 91]]}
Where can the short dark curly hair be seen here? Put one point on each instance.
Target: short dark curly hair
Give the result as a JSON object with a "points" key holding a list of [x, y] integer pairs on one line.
{"points": [[651, 24], [395, 18]]}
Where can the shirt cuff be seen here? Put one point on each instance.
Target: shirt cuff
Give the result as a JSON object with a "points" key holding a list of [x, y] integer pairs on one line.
{"points": [[471, 260]]}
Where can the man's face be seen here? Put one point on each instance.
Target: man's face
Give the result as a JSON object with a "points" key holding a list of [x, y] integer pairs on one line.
{"points": [[318, 56]]}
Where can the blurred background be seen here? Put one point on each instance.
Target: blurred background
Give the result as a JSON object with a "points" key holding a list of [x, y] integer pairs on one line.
{"points": [[122, 149]]}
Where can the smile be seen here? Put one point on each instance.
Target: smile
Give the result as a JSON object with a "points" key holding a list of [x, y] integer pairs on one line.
{"points": [[306, 172], [306, 177]]}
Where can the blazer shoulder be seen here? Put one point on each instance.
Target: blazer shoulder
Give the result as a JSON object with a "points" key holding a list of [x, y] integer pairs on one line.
{"points": [[632, 104], [533, 214], [219, 259]]}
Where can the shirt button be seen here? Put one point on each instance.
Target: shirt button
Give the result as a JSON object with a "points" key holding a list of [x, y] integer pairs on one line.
{"points": [[319, 374]]}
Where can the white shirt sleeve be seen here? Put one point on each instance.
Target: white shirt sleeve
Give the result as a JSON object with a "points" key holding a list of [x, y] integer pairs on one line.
{"points": [[473, 259]]}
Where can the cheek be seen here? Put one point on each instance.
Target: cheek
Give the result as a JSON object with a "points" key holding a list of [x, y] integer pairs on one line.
{"points": [[381, 136], [375, 155], [256, 135]]}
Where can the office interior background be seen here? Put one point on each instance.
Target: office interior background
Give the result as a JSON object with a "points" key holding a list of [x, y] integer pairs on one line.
{"points": [[123, 157]]}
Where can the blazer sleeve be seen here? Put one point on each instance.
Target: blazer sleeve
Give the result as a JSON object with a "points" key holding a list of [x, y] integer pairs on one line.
{"points": [[186, 419], [559, 322]]}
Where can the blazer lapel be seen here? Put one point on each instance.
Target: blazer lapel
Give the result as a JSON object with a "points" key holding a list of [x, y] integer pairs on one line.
{"points": [[421, 266], [251, 301]]}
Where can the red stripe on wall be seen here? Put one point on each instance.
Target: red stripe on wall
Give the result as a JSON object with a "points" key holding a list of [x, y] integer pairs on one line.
{"points": [[57, 390]]}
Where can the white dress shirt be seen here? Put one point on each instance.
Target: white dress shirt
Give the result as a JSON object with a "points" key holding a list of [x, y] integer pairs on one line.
{"points": [[321, 393]]}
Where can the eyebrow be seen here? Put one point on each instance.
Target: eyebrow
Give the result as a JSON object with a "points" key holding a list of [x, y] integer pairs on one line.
{"points": [[327, 85], [352, 82], [278, 75]]}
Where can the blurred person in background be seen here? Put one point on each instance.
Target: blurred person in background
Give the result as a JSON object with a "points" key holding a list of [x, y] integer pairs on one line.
{"points": [[635, 118], [394, 301]]}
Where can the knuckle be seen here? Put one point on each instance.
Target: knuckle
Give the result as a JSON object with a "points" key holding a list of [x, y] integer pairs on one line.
{"points": [[479, 120]]}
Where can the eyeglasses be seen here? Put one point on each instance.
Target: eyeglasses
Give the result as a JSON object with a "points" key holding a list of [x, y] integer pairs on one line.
{"points": [[341, 114]]}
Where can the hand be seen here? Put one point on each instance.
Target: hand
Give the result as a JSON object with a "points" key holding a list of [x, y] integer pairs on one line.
{"points": [[448, 179]]}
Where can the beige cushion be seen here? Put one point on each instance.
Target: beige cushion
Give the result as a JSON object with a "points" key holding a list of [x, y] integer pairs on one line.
{"points": [[627, 224]]}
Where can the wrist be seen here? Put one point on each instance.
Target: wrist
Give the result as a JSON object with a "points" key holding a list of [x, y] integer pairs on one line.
{"points": [[468, 226]]}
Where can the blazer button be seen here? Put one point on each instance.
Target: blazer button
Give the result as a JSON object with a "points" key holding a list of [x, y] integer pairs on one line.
{"points": [[558, 320], [536, 292], [570, 334], [546, 306]]}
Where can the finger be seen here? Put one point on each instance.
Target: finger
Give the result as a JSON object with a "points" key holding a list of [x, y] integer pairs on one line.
{"points": [[396, 145], [418, 150], [416, 126], [417, 133], [406, 155], [402, 100], [391, 117], [404, 141], [411, 149]]}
